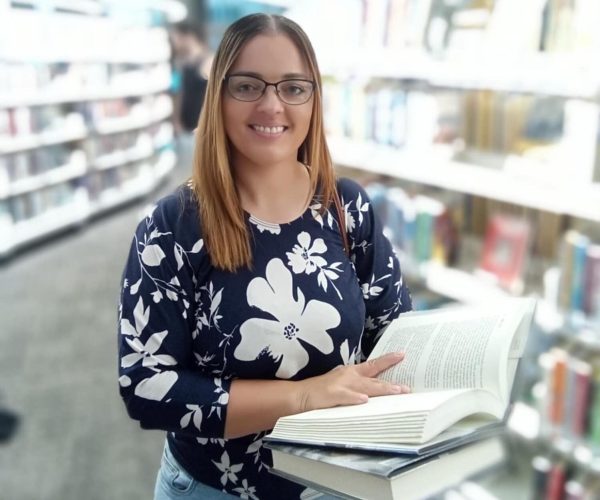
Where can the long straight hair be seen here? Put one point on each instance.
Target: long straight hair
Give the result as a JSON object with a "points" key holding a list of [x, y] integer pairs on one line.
{"points": [[224, 229]]}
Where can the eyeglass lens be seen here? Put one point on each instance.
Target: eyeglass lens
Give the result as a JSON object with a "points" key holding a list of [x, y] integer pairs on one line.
{"points": [[249, 88]]}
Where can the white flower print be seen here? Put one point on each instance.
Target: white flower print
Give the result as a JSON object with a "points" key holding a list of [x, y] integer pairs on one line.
{"points": [[350, 222], [141, 316], [302, 258], [194, 415], [361, 207], [316, 214], [219, 441], [263, 226], [206, 297], [349, 358], [246, 491], [301, 261], [254, 449], [229, 471], [369, 290], [294, 320], [147, 352], [157, 386], [222, 399]]}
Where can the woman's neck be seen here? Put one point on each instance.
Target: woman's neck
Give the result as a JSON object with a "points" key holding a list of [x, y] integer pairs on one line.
{"points": [[278, 193]]}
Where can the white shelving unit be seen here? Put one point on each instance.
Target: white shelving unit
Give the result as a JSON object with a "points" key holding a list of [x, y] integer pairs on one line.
{"points": [[434, 167], [121, 58], [562, 75]]}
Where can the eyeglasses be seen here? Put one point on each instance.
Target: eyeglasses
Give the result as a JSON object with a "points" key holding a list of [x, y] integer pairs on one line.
{"points": [[250, 88]]}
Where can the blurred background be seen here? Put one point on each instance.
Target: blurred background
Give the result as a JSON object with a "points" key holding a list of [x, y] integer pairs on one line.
{"points": [[474, 125]]}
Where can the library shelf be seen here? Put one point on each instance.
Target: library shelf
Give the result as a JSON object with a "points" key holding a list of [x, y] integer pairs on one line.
{"points": [[148, 178], [58, 175], [117, 158], [530, 74], [10, 145], [164, 165], [60, 96], [46, 69], [138, 120], [435, 168], [49, 222]]}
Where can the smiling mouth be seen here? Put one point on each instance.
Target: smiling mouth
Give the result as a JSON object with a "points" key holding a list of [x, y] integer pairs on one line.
{"points": [[268, 130]]}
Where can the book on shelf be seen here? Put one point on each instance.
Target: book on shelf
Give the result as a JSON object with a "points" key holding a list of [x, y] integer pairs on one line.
{"points": [[384, 476], [505, 249], [459, 362]]}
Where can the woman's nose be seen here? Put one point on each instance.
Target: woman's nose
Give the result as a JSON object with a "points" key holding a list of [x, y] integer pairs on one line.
{"points": [[270, 100]]}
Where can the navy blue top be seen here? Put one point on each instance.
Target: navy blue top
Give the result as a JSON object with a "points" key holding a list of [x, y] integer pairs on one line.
{"points": [[187, 329]]}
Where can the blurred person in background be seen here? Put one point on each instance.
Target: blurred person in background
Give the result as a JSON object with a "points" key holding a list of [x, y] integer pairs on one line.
{"points": [[191, 59], [258, 288]]}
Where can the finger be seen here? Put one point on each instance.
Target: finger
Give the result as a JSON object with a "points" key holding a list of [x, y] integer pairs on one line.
{"points": [[374, 366], [350, 397], [376, 387]]}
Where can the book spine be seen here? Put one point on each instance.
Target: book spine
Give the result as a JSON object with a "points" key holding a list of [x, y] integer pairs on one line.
{"points": [[556, 482], [541, 471], [579, 258], [591, 293], [593, 435], [557, 409], [582, 380]]}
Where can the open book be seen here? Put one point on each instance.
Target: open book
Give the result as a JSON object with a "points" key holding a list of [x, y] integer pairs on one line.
{"points": [[459, 363]]}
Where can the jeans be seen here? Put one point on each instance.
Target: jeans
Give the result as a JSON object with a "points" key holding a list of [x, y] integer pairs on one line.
{"points": [[174, 483]]}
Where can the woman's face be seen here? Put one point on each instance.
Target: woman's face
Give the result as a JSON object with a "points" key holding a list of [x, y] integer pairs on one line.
{"points": [[267, 131]]}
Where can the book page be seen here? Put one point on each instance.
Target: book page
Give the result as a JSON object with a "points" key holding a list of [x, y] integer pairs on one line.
{"points": [[455, 348]]}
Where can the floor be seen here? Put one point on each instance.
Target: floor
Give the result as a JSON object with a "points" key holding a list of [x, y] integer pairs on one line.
{"points": [[58, 368]]}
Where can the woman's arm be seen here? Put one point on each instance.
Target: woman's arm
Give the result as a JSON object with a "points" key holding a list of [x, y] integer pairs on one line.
{"points": [[378, 270], [255, 405]]}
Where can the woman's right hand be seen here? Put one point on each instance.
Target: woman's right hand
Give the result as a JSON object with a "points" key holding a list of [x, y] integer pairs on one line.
{"points": [[348, 385]]}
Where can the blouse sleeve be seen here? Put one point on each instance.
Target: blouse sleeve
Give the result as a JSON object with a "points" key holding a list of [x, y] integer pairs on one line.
{"points": [[377, 267], [160, 382]]}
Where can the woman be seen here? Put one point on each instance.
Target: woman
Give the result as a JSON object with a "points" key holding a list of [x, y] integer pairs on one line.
{"points": [[238, 298]]}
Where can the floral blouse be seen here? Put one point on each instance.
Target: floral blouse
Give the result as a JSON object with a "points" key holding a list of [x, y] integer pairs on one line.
{"points": [[186, 329]]}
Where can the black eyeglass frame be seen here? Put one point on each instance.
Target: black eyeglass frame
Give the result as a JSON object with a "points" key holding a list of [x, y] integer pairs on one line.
{"points": [[271, 84]]}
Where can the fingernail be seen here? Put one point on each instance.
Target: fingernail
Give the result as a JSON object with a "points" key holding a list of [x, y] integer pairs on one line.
{"points": [[405, 388], [363, 398], [397, 389], [399, 354]]}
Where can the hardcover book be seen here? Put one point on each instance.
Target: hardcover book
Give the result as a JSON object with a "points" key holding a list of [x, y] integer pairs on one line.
{"points": [[459, 362], [383, 476]]}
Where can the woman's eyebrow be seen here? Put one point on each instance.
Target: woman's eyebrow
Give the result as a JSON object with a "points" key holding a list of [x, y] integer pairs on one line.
{"points": [[302, 76]]}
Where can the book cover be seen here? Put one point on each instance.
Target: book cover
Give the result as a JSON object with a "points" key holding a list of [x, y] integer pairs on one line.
{"points": [[504, 249], [383, 476]]}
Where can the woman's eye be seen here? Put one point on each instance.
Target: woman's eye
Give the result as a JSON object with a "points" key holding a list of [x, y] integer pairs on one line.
{"points": [[294, 89], [246, 87]]}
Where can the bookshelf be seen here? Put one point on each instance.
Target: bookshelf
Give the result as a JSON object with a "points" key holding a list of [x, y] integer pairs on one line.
{"points": [[84, 127], [490, 107]]}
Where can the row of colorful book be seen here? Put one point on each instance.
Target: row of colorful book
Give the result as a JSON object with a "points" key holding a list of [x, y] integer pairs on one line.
{"points": [[480, 126], [21, 121], [425, 228], [552, 26], [579, 262], [554, 479], [569, 399], [422, 227]]}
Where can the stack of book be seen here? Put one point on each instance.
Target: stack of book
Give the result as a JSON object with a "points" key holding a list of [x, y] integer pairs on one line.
{"points": [[460, 363]]}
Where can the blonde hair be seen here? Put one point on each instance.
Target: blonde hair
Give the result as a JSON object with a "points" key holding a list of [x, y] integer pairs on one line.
{"points": [[224, 229]]}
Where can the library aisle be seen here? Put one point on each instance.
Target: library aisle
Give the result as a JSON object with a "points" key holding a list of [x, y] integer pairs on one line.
{"points": [[58, 367]]}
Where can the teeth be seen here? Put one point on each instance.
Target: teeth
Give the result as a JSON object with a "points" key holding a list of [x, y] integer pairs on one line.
{"points": [[268, 130]]}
